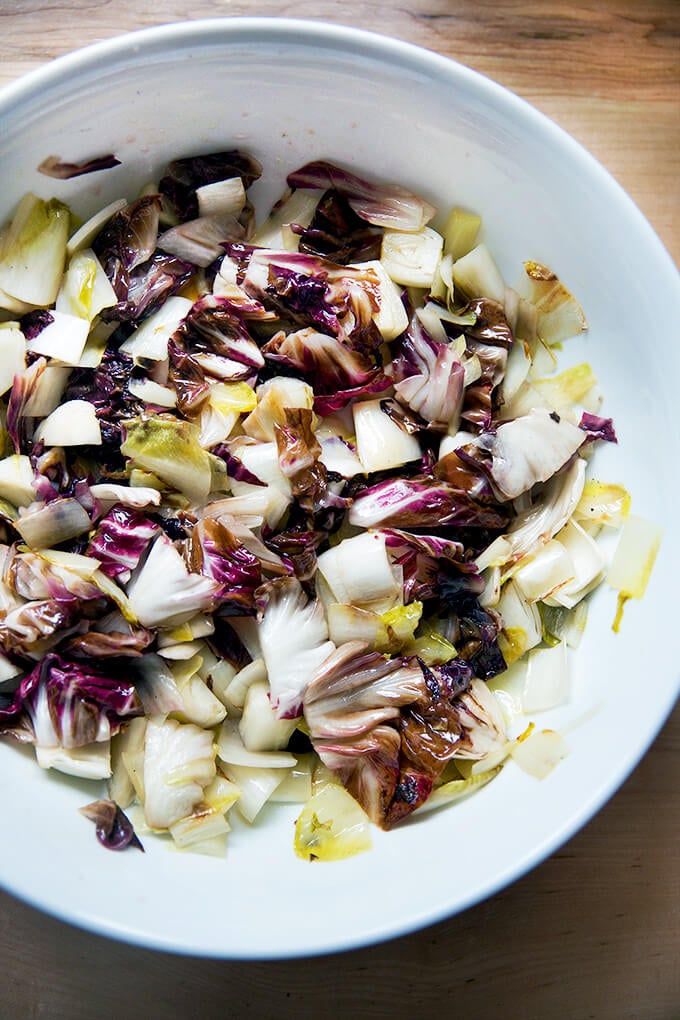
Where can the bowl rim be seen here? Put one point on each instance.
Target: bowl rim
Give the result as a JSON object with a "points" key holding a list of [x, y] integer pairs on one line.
{"points": [[227, 31]]}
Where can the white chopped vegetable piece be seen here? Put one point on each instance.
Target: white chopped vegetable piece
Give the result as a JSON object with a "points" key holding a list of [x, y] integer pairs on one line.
{"points": [[587, 566], [531, 449], [179, 761], [85, 288], [381, 443], [92, 761], [109, 493], [559, 315], [391, 318], [256, 786], [331, 826], [129, 740], [358, 571], [294, 639], [199, 704], [16, 479], [204, 825], [86, 234], [48, 389], [226, 197], [149, 342], [521, 621], [49, 524], [180, 595], [296, 788], [232, 751], [540, 752], [603, 503], [545, 573], [8, 669], [237, 689], [151, 392], [74, 423], [546, 684], [337, 456], [298, 208], [260, 727], [633, 561], [12, 354], [63, 338], [33, 251], [411, 258], [349, 623], [477, 275], [460, 232]]}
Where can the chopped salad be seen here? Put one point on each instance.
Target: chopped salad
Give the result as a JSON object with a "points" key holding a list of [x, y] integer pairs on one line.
{"points": [[288, 507]]}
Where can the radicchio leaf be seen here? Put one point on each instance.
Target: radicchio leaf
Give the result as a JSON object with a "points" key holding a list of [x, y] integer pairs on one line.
{"points": [[337, 233], [217, 554], [426, 560], [520, 453], [184, 176], [596, 427], [421, 503], [428, 377], [68, 704], [127, 241], [107, 387], [471, 629], [299, 452], [380, 204], [38, 625], [328, 364], [114, 829], [308, 290], [212, 341], [120, 540]]}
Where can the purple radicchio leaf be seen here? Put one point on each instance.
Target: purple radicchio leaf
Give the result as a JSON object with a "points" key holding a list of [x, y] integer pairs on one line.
{"points": [[149, 286], [128, 240], [325, 404], [596, 427], [491, 326], [328, 364], [427, 559], [217, 554], [113, 828], [308, 290], [120, 540], [337, 233], [183, 176], [428, 377], [236, 469], [421, 503], [212, 342], [473, 630], [107, 387], [54, 166], [33, 323], [299, 452], [380, 204], [67, 704]]}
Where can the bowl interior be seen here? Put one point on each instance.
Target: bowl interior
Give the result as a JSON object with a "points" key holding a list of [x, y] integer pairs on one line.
{"points": [[289, 92]]}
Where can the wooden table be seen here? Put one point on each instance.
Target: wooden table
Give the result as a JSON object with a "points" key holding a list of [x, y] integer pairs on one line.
{"points": [[594, 932]]}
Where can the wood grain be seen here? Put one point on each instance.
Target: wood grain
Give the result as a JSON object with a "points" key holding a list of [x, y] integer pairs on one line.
{"points": [[594, 932]]}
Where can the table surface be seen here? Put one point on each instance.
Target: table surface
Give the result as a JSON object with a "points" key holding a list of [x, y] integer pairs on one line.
{"points": [[594, 932]]}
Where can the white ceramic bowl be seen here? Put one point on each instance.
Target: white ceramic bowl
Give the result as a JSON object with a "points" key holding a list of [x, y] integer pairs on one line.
{"points": [[288, 92]]}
